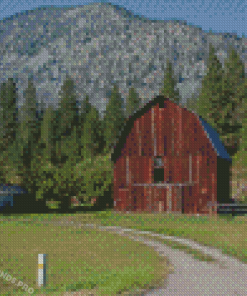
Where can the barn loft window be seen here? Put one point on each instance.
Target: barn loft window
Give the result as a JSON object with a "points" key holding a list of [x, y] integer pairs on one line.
{"points": [[158, 162], [158, 170]]}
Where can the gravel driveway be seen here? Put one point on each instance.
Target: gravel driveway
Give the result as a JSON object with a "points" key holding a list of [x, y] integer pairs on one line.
{"points": [[194, 277], [190, 277]]}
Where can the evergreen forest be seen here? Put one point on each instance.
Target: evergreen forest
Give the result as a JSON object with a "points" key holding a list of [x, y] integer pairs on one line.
{"points": [[59, 153]]}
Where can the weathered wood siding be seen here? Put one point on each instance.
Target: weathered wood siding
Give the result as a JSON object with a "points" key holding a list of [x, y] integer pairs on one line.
{"points": [[189, 159]]}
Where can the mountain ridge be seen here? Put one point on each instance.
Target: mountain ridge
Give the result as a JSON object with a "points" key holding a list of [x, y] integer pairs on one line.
{"points": [[100, 44]]}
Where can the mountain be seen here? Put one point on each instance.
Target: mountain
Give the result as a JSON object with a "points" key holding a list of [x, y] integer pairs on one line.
{"points": [[101, 43]]}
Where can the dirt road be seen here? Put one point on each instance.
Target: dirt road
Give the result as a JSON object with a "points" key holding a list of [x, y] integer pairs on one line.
{"points": [[190, 276]]}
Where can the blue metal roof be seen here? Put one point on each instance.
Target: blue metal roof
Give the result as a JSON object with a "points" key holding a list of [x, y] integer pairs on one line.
{"points": [[215, 139], [11, 189]]}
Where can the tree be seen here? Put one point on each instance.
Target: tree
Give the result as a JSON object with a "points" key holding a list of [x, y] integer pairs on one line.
{"points": [[9, 110], [97, 132], [219, 98], [67, 118], [30, 111], [210, 93], [9, 131], [68, 107], [228, 124], [95, 177], [29, 131], [67, 181], [168, 90], [234, 74], [113, 119], [87, 138], [47, 132], [240, 158], [133, 102], [86, 107], [192, 103]]}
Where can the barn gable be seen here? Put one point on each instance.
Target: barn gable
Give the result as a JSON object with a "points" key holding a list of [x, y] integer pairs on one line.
{"points": [[130, 124], [211, 132]]}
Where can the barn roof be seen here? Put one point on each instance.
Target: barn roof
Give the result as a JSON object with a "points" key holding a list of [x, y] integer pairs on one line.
{"points": [[215, 140], [211, 133]]}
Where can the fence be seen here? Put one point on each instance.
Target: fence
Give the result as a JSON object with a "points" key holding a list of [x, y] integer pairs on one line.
{"points": [[234, 209]]}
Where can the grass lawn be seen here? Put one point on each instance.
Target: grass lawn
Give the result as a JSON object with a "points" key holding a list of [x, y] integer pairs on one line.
{"points": [[230, 235], [78, 258]]}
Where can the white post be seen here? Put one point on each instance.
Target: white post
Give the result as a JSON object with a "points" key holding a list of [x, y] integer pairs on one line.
{"points": [[42, 262]]}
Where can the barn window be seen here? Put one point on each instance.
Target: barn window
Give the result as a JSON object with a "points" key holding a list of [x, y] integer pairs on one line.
{"points": [[158, 170], [158, 161]]}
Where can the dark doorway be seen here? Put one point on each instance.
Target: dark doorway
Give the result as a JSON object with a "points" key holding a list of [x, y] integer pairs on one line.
{"points": [[158, 175]]}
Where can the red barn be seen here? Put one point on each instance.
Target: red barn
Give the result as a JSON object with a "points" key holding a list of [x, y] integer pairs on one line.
{"points": [[169, 159]]}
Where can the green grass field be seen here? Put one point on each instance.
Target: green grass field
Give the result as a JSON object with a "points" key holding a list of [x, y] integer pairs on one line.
{"points": [[228, 234], [90, 258], [77, 259]]}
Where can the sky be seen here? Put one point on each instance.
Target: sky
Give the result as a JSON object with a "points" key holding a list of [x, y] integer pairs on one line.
{"points": [[217, 16]]}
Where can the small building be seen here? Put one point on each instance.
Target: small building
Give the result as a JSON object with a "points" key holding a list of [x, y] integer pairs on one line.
{"points": [[168, 159], [15, 199], [8, 192]]}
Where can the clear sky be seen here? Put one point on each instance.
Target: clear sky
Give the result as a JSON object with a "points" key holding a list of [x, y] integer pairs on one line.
{"points": [[217, 15]]}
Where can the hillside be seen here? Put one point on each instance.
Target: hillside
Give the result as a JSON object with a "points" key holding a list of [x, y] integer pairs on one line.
{"points": [[101, 43]]}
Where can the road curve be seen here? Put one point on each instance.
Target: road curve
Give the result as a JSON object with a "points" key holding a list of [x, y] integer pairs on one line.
{"points": [[190, 277], [193, 277]]}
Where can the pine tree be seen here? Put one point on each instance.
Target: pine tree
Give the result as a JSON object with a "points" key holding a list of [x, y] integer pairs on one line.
{"points": [[240, 158], [29, 131], [227, 123], [47, 132], [67, 116], [218, 98], [86, 106], [211, 90], [192, 103], [113, 120], [97, 132], [30, 112], [234, 75], [168, 90], [68, 107], [9, 131], [133, 102], [90, 113], [85, 109], [8, 102], [70, 147], [87, 150]]}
